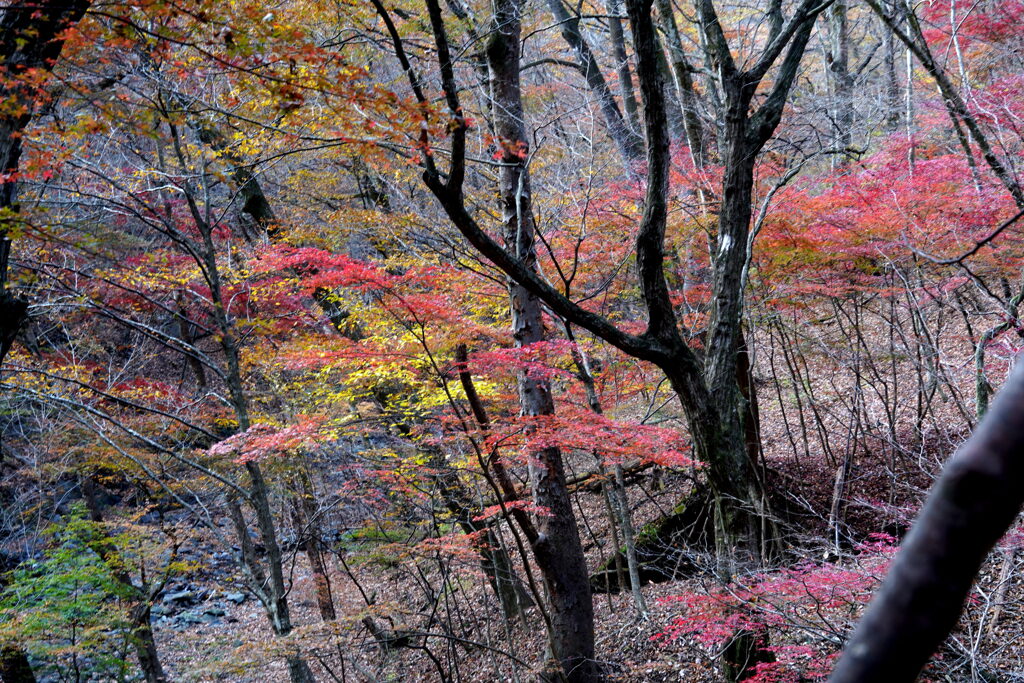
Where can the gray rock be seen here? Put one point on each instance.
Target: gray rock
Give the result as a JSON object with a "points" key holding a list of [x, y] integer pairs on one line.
{"points": [[184, 597], [237, 598]]}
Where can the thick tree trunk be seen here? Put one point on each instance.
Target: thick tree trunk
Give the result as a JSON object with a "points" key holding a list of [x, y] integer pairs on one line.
{"points": [[719, 426], [976, 499], [145, 645], [708, 390], [721, 437], [14, 665], [557, 548], [30, 41]]}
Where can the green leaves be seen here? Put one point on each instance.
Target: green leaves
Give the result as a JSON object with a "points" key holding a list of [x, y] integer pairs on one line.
{"points": [[67, 608]]}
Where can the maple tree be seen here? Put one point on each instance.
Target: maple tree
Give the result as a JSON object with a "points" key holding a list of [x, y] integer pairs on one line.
{"points": [[425, 328]]}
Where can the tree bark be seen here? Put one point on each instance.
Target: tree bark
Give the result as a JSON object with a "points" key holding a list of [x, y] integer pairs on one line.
{"points": [[742, 519], [891, 96], [494, 560], [838, 61], [30, 42], [706, 387], [307, 533], [913, 38], [557, 548], [139, 616], [267, 584], [145, 645], [973, 503], [14, 665]]}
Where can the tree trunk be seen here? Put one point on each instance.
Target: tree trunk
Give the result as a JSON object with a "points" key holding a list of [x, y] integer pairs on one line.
{"points": [[630, 145], [494, 560], [14, 665], [307, 532], [145, 645], [557, 548], [707, 387], [720, 435], [673, 103], [973, 503], [682, 77], [615, 491], [277, 603], [838, 60], [618, 39], [718, 424], [142, 631]]}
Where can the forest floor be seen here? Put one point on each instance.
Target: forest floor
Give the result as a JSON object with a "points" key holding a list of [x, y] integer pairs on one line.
{"points": [[212, 635]]}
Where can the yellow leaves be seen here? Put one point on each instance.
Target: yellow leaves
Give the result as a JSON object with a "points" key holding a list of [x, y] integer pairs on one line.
{"points": [[245, 145]]}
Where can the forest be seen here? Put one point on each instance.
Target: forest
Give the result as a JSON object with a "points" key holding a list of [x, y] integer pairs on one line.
{"points": [[511, 340]]}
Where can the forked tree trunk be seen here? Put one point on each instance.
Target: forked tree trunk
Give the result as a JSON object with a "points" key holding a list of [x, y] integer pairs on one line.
{"points": [[707, 387]]}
